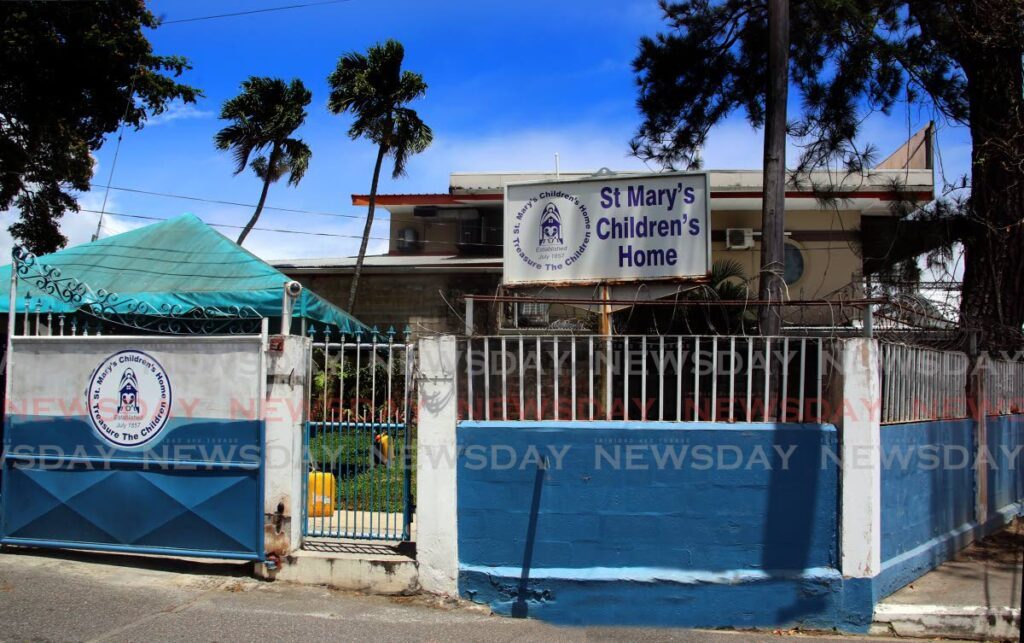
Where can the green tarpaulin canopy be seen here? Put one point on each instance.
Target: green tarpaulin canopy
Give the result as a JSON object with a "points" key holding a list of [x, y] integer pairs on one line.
{"points": [[178, 265]]}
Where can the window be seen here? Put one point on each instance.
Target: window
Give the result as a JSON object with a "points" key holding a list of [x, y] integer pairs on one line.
{"points": [[470, 233], [481, 234], [533, 314]]}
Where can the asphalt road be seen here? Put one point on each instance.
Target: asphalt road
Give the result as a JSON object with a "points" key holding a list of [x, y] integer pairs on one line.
{"points": [[73, 596]]}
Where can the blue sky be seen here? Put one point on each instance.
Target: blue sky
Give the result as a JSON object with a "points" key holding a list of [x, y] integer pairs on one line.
{"points": [[510, 84]]}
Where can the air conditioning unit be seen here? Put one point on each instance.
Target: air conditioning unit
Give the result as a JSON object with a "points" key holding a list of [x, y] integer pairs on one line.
{"points": [[739, 238]]}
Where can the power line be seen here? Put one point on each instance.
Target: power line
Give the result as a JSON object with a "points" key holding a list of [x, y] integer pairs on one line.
{"points": [[231, 203], [199, 199], [117, 151], [235, 226], [252, 11], [286, 230]]}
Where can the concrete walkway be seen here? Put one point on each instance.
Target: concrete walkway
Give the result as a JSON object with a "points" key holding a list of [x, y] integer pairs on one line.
{"points": [[383, 525], [974, 596]]}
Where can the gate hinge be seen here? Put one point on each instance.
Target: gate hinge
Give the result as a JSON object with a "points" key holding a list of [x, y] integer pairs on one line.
{"points": [[291, 379]]}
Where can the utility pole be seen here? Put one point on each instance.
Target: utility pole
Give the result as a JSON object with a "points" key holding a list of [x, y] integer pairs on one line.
{"points": [[773, 206]]}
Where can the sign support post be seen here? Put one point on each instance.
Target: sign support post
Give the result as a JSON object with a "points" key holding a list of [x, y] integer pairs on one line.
{"points": [[606, 312], [605, 330]]}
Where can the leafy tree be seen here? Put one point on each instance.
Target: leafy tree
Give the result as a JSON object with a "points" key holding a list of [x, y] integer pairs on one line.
{"points": [[71, 73], [375, 90], [263, 119], [848, 58]]}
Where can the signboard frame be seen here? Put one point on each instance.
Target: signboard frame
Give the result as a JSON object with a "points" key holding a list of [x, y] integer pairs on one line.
{"points": [[599, 177]]}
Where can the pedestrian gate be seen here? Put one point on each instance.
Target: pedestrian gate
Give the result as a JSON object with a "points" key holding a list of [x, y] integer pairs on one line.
{"points": [[358, 442], [135, 443]]}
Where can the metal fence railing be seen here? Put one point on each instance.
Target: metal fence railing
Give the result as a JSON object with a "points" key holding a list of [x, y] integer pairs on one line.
{"points": [[646, 378], [1003, 386], [922, 383]]}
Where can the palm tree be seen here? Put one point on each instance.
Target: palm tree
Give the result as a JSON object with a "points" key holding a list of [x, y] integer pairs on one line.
{"points": [[375, 90], [264, 117], [727, 282]]}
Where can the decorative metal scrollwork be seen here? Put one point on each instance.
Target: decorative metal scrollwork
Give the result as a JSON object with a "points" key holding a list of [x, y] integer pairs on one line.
{"points": [[168, 319]]}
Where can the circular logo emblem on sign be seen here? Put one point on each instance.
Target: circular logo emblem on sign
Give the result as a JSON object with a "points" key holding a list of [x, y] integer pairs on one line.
{"points": [[129, 399], [551, 230]]}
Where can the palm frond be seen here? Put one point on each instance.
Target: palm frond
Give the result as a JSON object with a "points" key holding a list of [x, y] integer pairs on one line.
{"points": [[411, 87], [347, 82], [239, 141], [264, 115], [723, 270], [411, 136], [260, 169], [295, 156], [375, 90]]}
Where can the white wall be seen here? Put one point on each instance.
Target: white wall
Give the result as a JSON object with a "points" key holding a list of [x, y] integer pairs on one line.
{"points": [[233, 373]]}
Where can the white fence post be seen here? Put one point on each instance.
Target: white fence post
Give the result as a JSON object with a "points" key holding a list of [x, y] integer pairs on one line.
{"points": [[980, 396], [861, 475], [284, 417], [436, 518]]}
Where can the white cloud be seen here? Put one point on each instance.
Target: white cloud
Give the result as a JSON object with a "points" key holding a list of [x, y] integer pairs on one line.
{"points": [[176, 112], [582, 147], [78, 227], [735, 145]]}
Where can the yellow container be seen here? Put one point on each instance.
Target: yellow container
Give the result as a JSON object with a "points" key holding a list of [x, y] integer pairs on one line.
{"points": [[321, 494], [383, 451]]}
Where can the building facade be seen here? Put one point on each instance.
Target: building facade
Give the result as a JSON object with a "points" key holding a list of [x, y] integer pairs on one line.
{"points": [[447, 245]]}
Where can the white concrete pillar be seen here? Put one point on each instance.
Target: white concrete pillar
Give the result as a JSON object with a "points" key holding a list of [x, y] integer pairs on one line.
{"points": [[436, 459], [976, 408], [284, 411], [861, 475]]}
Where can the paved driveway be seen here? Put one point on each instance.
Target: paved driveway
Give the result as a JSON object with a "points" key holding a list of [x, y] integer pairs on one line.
{"points": [[74, 596]]}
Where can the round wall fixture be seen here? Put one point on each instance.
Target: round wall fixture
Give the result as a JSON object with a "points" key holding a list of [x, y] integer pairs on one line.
{"points": [[794, 264]]}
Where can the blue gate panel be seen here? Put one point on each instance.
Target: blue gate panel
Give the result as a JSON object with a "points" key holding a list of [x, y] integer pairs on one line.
{"points": [[173, 509], [196, 492], [184, 439]]}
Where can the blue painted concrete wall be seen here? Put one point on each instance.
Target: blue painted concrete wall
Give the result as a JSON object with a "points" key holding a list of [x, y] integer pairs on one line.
{"points": [[927, 497], [1006, 460], [696, 525], [927, 482]]}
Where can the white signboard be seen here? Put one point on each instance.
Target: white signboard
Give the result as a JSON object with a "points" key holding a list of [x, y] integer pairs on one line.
{"points": [[607, 229]]}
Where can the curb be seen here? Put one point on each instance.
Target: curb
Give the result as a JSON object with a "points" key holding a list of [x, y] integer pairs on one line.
{"points": [[960, 622]]}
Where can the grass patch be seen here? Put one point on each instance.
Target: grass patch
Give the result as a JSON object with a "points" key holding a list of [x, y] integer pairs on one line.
{"points": [[361, 484]]}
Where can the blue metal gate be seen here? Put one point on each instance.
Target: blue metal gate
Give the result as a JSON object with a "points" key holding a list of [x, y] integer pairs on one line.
{"points": [[183, 483], [359, 441]]}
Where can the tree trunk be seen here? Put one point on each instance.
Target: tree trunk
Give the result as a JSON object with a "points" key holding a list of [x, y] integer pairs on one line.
{"points": [[263, 199], [770, 281], [366, 231], [992, 303]]}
